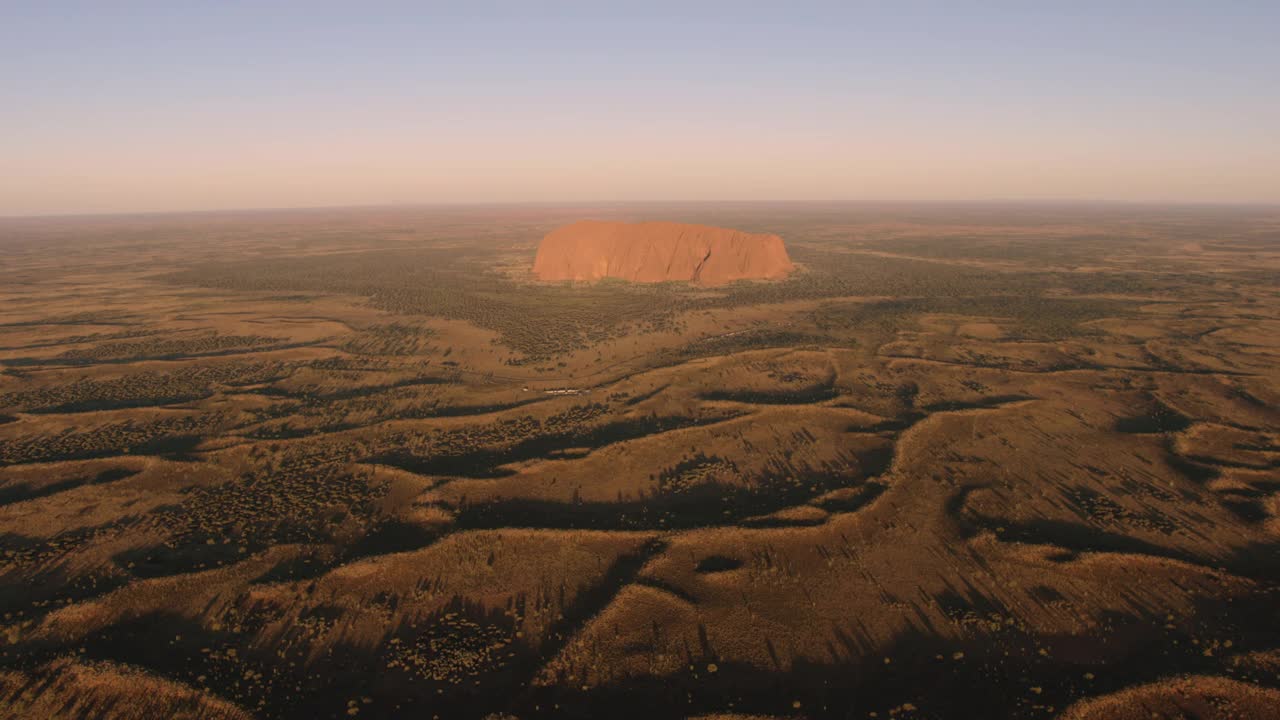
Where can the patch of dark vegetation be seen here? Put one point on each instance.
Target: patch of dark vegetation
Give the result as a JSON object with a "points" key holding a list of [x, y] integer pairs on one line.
{"points": [[693, 498], [538, 321], [105, 317], [300, 499], [484, 452], [805, 396], [441, 410], [906, 394], [742, 341], [980, 404], [1032, 315], [1092, 505], [1080, 249], [692, 471], [146, 389], [389, 340], [173, 437], [362, 391], [546, 321], [203, 345], [172, 447], [316, 396], [289, 431], [83, 339], [6, 419], [305, 414]]}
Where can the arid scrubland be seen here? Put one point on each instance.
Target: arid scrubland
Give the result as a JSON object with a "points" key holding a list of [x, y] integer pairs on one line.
{"points": [[964, 462]]}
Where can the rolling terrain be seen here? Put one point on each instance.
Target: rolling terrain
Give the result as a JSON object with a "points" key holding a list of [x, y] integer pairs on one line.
{"points": [[962, 462]]}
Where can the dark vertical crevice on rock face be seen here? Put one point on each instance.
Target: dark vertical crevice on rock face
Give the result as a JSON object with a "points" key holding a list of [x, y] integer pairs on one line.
{"points": [[697, 270], [675, 249]]}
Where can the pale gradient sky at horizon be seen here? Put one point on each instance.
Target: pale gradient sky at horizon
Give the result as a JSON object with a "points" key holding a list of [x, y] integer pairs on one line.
{"points": [[157, 106]]}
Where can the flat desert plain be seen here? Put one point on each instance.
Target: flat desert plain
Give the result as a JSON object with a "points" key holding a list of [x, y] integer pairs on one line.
{"points": [[962, 462]]}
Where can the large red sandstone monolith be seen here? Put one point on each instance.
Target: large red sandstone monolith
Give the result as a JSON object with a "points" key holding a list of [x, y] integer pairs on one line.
{"points": [[657, 252]]}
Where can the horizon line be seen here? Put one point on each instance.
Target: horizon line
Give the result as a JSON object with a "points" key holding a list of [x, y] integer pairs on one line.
{"points": [[1023, 202]]}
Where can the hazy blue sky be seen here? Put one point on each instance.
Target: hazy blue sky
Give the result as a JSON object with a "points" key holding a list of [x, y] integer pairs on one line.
{"points": [[117, 106]]}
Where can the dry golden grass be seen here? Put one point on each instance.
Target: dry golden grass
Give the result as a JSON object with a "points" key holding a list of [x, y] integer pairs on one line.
{"points": [[66, 689], [1210, 698]]}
